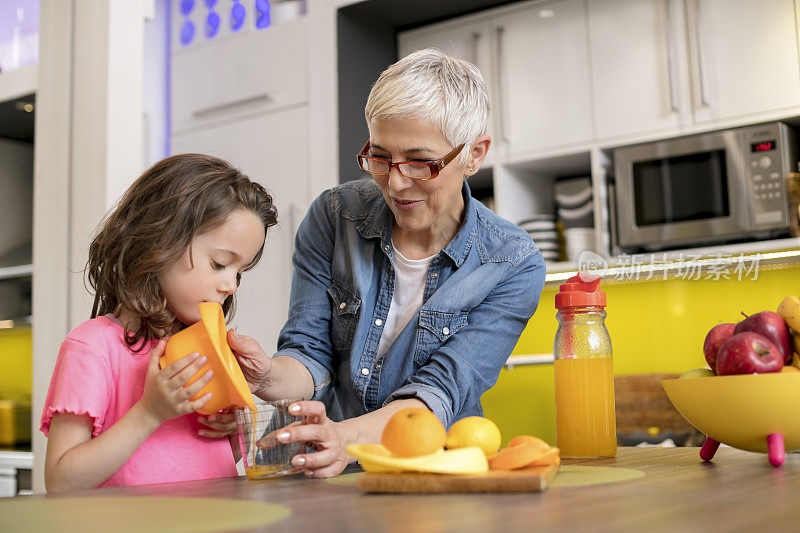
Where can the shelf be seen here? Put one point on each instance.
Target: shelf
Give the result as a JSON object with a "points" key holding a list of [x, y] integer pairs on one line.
{"points": [[529, 359], [670, 264], [15, 459], [15, 323], [12, 272], [16, 83]]}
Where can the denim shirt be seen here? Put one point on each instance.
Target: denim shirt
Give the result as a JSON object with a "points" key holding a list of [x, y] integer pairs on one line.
{"points": [[480, 292]]}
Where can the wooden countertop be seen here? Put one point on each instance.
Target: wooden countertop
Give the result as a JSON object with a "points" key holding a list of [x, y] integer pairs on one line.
{"points": [[738, 491]]}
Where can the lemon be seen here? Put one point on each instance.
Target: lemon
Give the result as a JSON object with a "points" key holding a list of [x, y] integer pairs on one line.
{"points": [[697, 373], [474, 431]]}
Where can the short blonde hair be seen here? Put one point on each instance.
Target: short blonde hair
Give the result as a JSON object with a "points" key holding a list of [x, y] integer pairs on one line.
{"points": [[428, 84]]}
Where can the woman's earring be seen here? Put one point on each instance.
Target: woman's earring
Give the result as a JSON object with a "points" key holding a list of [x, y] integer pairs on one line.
{"points": [[471, 169]]}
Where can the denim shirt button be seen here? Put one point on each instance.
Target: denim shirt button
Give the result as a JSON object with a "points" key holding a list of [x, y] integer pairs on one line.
{"points": [[342, 305], [445, 331], [365, 371], [378, 322], [378, 366], [434, 275], [386, 247]]}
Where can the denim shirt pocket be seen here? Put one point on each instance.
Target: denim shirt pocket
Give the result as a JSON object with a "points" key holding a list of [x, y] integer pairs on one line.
{"points": [[344, 317], [435, 327]]}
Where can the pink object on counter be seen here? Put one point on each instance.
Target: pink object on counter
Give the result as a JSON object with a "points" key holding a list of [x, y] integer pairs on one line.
{"points": [[709, 449], [775, 449]]}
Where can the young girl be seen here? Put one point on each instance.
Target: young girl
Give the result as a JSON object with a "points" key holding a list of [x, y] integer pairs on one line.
{"points": [[182, 234]]}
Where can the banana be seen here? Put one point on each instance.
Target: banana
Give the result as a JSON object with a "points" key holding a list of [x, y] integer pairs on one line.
{"points": [[795, 357], [789, 309], [796, 339]]}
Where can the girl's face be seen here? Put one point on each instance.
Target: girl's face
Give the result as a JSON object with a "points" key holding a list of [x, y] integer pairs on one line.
{"points": [[220, 256], [417, 205]]}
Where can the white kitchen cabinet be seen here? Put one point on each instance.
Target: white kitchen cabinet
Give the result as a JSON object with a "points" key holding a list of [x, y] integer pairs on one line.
{"points": [[266, 149], [660, 66], [639, 66], [462, 39], [534, 58], [237, 76], [744, 57], [465, 40], [542, 77]]}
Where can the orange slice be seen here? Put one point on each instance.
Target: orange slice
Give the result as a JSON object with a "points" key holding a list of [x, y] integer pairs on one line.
{"points": [[527, 439], [524, 451]]}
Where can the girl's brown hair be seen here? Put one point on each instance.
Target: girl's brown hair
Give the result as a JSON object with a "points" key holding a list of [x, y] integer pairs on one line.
{"points": [[153, 225]]}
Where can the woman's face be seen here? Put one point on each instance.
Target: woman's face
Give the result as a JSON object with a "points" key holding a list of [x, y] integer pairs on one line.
{"points": [[417, 205]]}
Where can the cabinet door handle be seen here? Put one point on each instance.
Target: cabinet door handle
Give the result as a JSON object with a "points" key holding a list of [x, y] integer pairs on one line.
{"points": [[700, 54], [294, 211], [673, 89], [501, 85], [476, 37], [225, 106]]}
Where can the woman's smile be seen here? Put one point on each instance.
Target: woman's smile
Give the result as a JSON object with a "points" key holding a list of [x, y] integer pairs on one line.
{"points": [[405, 205]]}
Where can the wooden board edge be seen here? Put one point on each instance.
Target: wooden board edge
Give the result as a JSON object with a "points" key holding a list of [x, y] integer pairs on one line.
{"points": [[524, 480]]}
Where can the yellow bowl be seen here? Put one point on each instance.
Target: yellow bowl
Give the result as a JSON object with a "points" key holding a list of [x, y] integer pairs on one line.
{"points": [[208, 337], [376, 458], [741, 411]]}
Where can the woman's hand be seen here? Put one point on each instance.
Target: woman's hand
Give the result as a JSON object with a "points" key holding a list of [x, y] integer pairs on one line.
{"points": [[165, 396], [256, 365], [221, 424], [320, 433]]}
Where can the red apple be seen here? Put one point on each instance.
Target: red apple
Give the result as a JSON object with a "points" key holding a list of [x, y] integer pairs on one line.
{"points": [[748, 353], [771, 325], [718, 335]]}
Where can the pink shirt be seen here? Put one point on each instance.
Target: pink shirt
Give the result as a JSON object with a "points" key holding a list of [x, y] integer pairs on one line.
{"points": [[96, 374]]}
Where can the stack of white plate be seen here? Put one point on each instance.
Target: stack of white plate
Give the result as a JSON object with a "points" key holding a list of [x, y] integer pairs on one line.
{"points": [[578, 240], [542, 229], [575, 209], [574, 202]]}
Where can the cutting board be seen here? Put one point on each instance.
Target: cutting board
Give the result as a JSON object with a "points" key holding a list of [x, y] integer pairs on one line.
{"points": [[534, 479]]}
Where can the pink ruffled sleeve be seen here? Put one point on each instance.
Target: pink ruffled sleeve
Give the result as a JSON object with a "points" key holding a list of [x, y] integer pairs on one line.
{"points": [[81, 385]]}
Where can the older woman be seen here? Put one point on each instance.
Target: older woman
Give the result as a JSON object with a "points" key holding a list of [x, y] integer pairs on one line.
{"points": [[406, 291]]}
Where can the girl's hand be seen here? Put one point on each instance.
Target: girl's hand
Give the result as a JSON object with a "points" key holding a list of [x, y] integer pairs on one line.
{"points": [[320, 433], [164, 395], [256, 365], [222, 424]]}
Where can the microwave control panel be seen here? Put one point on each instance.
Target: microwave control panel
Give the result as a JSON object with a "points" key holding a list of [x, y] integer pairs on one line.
{"points": [[766, 151]]}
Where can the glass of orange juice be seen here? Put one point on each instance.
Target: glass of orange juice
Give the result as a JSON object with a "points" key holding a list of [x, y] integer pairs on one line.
{"points": [[264, 457], [584, 376], [585, 418]]}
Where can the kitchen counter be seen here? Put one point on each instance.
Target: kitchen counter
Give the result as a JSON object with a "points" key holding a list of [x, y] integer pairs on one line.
{"points": [[738, 491]]}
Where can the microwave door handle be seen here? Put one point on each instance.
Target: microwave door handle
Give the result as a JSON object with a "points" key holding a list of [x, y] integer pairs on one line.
{"points": [[673, 90], [700, 55], [612, 218]]}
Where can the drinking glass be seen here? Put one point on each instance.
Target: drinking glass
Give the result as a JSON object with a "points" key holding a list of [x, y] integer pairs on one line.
{"points": [[265, 457]]}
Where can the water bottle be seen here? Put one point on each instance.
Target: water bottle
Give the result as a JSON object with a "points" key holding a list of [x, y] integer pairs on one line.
{"points": [[584, 377]]}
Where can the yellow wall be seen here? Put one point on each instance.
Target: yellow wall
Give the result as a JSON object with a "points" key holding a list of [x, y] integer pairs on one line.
{"points": [[16, 366], [656, 326]]}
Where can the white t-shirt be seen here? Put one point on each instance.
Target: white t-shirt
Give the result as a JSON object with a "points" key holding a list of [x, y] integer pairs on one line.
{"points": [[409, 287]]}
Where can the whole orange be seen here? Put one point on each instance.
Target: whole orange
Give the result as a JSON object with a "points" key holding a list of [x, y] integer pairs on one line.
{"points": [[413, 431]]}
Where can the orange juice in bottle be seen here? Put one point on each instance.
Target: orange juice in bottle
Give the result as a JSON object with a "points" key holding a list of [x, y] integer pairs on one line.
{"points": [[584, 378]]}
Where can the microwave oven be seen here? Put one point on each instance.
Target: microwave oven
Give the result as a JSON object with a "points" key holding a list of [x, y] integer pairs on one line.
{"points": [[707, 188]]}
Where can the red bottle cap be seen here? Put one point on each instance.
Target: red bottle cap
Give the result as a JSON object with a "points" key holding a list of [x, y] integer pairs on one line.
{"points": [[582, 290]]}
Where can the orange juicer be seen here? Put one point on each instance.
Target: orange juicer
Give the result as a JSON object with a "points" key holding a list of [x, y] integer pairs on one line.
{"points": [[208, 337]]}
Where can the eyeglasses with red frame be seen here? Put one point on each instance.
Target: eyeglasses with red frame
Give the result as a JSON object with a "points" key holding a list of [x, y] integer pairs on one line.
{"points": [[415, 170]]}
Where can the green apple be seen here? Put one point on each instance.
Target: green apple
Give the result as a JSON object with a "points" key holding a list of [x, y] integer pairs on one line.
{"points": [[697, 373]]}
